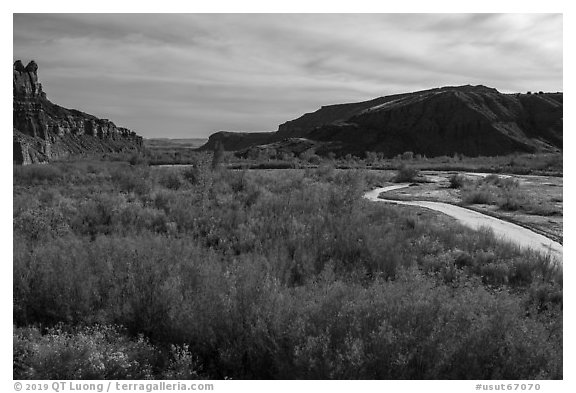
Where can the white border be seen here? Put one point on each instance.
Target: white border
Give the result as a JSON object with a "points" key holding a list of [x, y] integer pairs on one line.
{"points": [[247, 6]]}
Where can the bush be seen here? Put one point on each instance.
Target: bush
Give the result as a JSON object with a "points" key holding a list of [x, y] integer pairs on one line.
{"points": [[131, 180], [371, 157], [314, 159], [482, 195], [511, 200], [95, 216], [137, 159], [36, 173], [405, 174], [170, 179], [192, 174], [407, 156], [90, 353], [325, 171], [457, 181], [41, 224]]}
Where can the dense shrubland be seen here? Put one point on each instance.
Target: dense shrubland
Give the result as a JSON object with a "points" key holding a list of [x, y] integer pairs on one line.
{"points": [[129, 271]]}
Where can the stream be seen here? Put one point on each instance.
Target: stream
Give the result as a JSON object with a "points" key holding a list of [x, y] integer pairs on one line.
{"points": [[504, 230]]}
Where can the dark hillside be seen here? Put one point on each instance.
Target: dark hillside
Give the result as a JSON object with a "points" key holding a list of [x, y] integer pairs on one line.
{"points": [[470, 120]]}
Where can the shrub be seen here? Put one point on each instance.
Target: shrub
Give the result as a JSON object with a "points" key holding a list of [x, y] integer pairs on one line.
{"points": [[41, 224], [36, 173], [314, 159], [405, 174], [99, 352], [457, 181], [407, 156], [170, 179], [511, 200], [371, 157], [95, 216], [183, 365], [137, 159], [131, 180], [325, 171], [479, 195], [192, 174]]}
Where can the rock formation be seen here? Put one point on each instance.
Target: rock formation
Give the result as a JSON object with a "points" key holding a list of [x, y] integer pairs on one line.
{"points": [[470, 120], [45, 131]]}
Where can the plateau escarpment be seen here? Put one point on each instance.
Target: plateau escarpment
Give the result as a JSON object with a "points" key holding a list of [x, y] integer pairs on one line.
{"points": [[470, 120], [43, 131]]}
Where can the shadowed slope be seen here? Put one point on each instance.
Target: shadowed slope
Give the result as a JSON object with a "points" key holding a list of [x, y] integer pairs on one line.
{"points": [[471, 120]]}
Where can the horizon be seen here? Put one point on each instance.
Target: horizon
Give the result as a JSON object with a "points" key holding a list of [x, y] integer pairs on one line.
{"points": [[253, 72]]}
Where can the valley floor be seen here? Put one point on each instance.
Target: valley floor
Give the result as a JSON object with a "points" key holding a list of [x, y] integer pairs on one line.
{"points": [[135, 272]]}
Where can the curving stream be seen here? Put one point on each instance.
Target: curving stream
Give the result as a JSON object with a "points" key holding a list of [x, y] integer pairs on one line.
{"points": [[505, 230]]}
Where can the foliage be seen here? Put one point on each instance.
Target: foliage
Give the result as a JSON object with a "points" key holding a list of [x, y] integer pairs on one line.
{"points": [[97, 352], [405, 174], [407, 155], [457, 180], [36, 173], [248, 274], [507, 194]]}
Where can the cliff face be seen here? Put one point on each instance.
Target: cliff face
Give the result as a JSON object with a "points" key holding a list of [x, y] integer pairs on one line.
{"points": [[44, 131], [472, 120]]}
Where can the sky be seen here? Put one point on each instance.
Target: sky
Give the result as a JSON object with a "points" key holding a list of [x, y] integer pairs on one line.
{"points": [[190, 75]]}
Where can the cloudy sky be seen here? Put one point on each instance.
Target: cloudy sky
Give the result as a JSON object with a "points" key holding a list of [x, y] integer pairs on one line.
{"points": [[189, 75]]}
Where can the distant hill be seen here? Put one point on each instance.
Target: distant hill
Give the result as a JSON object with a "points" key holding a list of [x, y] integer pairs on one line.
{"points": [[43, 130], [471, 120], [238, 140], [167, 143]]}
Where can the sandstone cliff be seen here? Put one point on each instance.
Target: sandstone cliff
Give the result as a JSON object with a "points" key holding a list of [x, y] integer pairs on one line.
{"points": [[43, 131], [472, 120]]}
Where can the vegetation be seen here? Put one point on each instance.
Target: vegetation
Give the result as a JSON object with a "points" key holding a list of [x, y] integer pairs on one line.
{"points": [[507, 194], [457, 180], [405, 174], [132, 271], [179, 152]]}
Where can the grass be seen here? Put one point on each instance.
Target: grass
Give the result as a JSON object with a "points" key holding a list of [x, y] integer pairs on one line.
{"points": [[118, 273]]}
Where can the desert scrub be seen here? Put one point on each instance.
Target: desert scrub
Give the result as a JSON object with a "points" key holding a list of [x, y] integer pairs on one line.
{"points": [[309, 280]]}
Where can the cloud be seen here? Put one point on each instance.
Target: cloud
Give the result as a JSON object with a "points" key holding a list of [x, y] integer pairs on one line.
{"points": [[192, 74]]}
